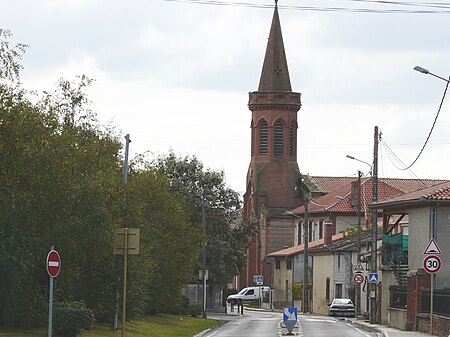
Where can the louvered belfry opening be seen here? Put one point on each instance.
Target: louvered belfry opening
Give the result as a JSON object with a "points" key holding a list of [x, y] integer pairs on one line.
{"points": [[278, 139], [263, 138], [291, 140]]}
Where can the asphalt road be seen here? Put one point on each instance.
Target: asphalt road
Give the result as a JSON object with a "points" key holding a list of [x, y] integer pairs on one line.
{"points": [[269, 324]]}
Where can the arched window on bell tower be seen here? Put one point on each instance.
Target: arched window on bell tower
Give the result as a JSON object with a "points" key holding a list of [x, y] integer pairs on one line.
{"points": [[278, 139], [263, 138]]}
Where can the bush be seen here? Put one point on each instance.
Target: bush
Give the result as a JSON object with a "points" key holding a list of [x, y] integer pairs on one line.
{"points": [[195, 309], [70, 318]]}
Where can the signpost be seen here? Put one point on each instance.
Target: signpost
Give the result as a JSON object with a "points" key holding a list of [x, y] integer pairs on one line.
{"points": [[432, 264], [126, 241], [290, 318], [53, 268]]}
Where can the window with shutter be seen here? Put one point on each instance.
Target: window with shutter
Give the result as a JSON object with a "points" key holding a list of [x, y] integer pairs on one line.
{"points": [[263, 138], [278, 139]]}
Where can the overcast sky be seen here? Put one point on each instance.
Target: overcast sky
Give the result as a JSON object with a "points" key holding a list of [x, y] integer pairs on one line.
{"points": [[176, 75]]}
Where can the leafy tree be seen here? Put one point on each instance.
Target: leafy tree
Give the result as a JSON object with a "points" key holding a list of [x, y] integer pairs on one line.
{"points": [[59, 183], [224, 239], [169, 246]]}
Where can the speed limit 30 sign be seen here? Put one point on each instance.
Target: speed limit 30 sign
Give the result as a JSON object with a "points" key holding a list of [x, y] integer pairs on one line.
{"points": [[432, 264]]}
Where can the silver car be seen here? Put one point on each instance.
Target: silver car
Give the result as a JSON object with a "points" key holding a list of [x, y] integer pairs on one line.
{"points": [[342, 307]]}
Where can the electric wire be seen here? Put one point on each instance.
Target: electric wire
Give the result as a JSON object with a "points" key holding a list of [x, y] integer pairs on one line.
{"points": [[437, 7], [432, 127], [391, 156]]}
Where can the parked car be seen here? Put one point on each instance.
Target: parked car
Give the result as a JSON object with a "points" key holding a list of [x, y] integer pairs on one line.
{"points": [[342, 307], [247, 295]]}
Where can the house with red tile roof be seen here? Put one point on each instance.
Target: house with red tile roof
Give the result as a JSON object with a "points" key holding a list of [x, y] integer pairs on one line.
{"points": [[405, 281], [336, 259]]}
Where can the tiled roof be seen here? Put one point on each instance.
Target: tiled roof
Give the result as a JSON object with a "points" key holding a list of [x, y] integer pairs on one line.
{"points": [[338, 201], [409, 185], [295, 250], [436, 192], [330, 184]]}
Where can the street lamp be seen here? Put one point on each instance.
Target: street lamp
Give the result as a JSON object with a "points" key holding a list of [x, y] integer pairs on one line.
{"points": [[361, 161], [427, 72]]}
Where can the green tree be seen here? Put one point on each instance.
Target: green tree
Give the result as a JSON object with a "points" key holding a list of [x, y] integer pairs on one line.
{"points": [[224, 239], [59, 184], [169, 246]]}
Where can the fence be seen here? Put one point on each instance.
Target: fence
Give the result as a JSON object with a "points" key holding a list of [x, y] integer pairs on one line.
{"points": [[441, 300], [398, 297]]}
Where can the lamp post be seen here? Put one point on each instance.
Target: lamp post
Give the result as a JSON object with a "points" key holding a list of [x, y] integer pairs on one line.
{"points": [[427, 72]]}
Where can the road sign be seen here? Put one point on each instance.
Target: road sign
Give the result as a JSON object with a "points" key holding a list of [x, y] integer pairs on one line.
{"points": [[132, 236], [432, 264], [290, 318], [358, 278], [53, 263], [258, 279], [432, 248], [373, 278], [358, 267]]}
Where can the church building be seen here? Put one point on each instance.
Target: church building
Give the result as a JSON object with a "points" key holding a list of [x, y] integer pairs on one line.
{"points": [[273, 175]]}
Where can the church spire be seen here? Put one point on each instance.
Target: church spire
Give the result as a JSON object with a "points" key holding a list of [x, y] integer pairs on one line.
{"points": [[275, 73]]}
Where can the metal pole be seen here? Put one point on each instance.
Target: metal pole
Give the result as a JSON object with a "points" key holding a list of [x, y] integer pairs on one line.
{"points": [[431, 303], [305, 257], [125, 266], [204, 257], [358, 250], [374, 218], [125, 181], [50, 304]]}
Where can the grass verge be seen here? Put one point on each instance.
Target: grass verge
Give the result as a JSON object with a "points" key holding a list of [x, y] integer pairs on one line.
{"points": [[162, 325]]}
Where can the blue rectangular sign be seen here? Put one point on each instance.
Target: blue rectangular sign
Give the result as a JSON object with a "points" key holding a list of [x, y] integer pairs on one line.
{"points": [[289, 314]]}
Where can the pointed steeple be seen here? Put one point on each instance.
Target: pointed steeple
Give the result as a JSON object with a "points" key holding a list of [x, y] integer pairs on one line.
{"points": [[275, 73]]}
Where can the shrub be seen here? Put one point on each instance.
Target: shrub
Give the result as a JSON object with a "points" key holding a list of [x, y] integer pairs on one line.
{"points": [[195, 309], [70, 318]]}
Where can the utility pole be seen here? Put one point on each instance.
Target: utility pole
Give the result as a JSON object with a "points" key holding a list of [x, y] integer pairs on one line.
{"points": [[358, 249], [374, 218], [305, 194], [204, 257]]}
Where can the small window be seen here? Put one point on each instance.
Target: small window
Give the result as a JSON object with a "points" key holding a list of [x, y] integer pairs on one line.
{"points": [[338, 293], [289, 265], [263, 138], [277, 264], [278, 139], [250, 292], [327, 289], [291, 140]]}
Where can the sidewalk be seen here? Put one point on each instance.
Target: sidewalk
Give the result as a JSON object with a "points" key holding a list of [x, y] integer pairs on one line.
{"points": [[386, 331]]}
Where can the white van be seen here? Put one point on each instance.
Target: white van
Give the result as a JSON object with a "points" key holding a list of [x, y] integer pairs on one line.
{"points": [[247, 295]]}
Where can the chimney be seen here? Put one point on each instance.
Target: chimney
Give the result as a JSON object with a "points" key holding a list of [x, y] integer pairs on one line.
{"points": [[328, 232]]}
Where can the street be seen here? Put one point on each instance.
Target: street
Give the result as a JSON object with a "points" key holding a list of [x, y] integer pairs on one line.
{"points": [[269, 324]]}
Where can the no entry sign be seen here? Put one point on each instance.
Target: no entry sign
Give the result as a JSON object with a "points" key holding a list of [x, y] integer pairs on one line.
{"points": [[53, 263]]}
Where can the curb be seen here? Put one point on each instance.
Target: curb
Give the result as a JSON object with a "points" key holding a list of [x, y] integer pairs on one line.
{"points": [[368, 328]]}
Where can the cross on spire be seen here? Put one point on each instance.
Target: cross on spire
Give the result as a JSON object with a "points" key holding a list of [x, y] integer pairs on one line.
{"points": [[278, 71]]}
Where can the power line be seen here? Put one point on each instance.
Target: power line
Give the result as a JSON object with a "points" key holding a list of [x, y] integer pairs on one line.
{"points": [[437, 7], [432, 127]]}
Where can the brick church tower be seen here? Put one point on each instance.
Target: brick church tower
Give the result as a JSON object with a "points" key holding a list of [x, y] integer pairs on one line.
{"points": [[273, 173]]}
